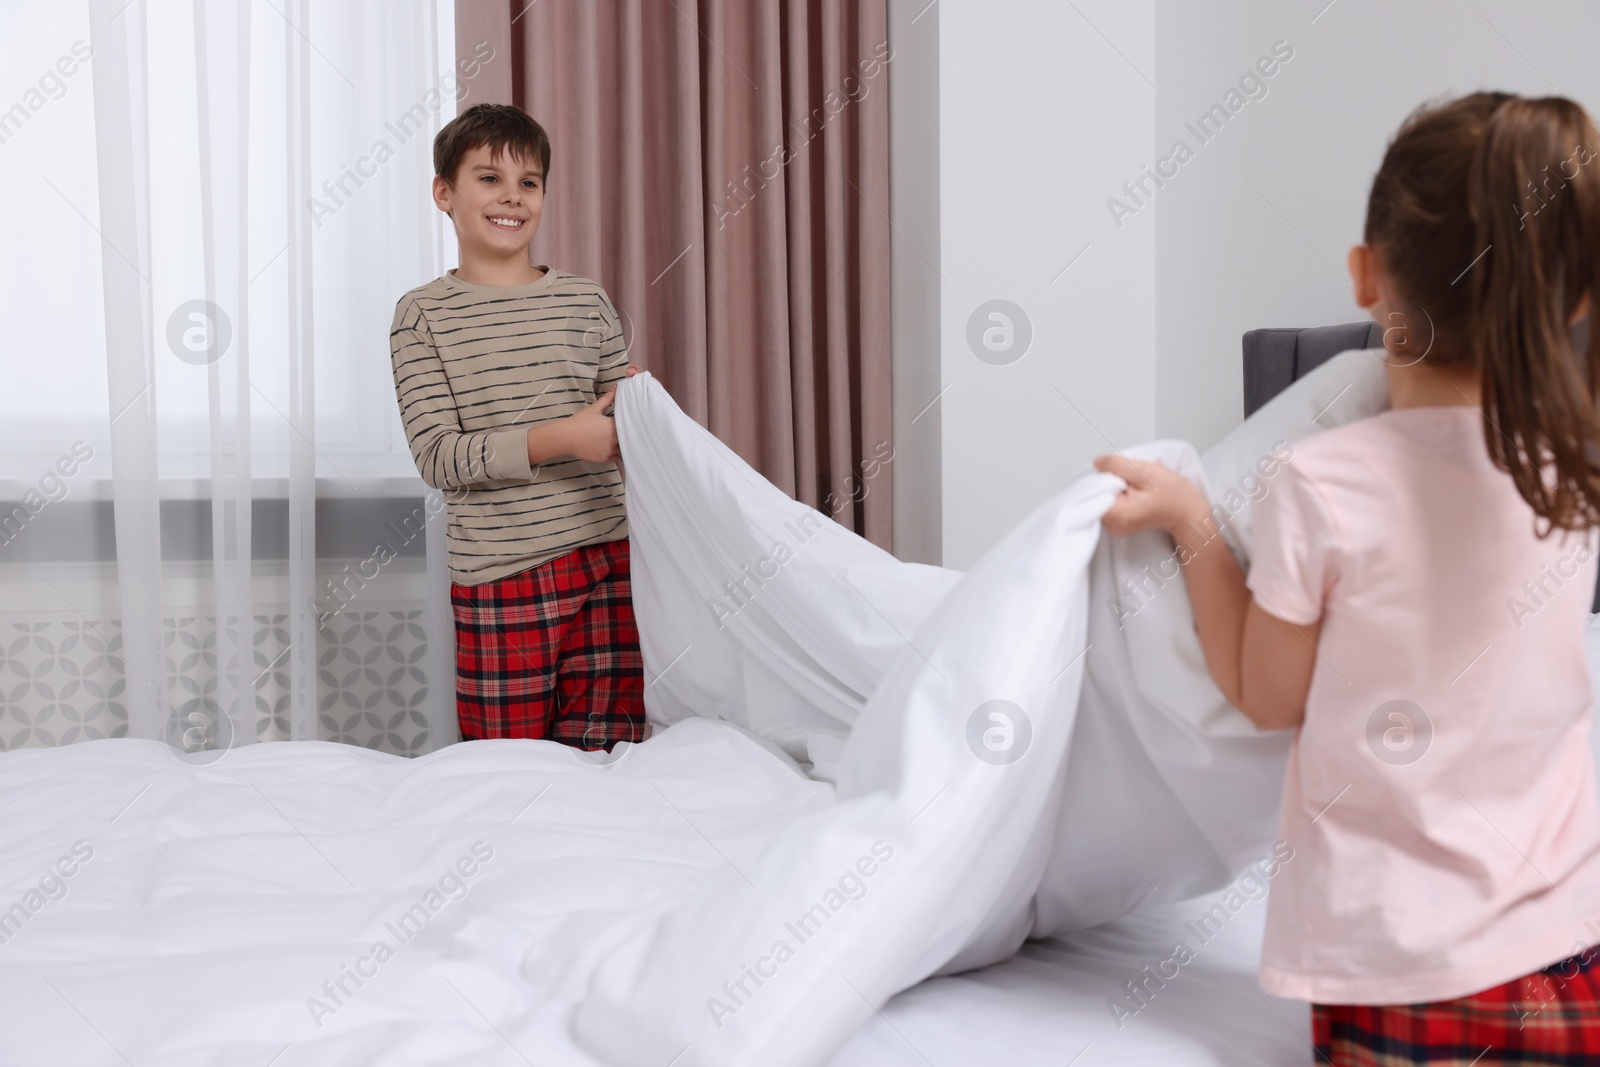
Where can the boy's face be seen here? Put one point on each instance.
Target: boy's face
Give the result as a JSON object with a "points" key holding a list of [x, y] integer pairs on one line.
{"points": [[494, 202]]}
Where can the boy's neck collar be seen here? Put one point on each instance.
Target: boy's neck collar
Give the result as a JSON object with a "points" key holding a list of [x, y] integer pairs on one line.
{"points": [[522, 287]]}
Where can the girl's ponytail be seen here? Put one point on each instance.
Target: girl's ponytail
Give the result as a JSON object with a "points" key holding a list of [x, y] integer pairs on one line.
{"points": [[1534, 197], [1486, 212]]}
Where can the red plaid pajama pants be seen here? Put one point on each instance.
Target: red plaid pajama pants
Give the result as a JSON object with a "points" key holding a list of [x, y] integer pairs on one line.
{"points": [[552, 652], [1548, 1017]]}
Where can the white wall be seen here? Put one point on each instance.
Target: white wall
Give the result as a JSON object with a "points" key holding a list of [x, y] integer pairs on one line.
{"points": [[1231, 258], [1042, 110]]}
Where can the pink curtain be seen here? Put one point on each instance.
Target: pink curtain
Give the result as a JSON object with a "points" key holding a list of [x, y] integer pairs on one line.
{"points": [[722, 168]]}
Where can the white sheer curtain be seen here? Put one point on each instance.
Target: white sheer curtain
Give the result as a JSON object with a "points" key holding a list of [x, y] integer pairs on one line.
{"points": [[255, 178]]}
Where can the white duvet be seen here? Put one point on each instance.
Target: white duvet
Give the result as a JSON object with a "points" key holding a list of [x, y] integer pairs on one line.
{"points": [[1030, 748], [330, 905], [1035, 746]]}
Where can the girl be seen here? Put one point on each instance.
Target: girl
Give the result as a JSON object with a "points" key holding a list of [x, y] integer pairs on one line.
{"points": [[1415, 609]]}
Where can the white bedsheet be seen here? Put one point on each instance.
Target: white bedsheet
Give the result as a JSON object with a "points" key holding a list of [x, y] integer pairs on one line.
{"points": [[1049, 1004]]}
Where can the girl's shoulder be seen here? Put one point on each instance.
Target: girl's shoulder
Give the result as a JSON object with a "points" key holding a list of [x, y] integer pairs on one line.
{"points": [[1351, 445], [1446, 434]]}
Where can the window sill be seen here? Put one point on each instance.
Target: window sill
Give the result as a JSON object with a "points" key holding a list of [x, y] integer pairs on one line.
{"points": [[354, 487], [186, 477]]}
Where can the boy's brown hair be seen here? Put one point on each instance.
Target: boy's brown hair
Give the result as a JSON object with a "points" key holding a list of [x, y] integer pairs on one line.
{"points": [[504, 127], [1486, 212]]}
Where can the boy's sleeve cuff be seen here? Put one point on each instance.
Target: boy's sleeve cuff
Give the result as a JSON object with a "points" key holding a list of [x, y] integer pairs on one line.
{"points": [[508, 455]]}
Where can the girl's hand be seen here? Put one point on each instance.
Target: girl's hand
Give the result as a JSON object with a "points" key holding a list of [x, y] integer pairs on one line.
{"points": [[592, 434], [631, 371], [1157, 497]]}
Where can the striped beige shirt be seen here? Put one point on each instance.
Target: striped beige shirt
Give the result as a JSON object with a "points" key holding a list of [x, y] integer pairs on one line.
{"points": [[474, 367]]}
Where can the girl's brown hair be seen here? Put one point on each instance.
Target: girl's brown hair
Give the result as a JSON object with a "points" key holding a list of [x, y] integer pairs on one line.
{"points": [[1486, 216]]}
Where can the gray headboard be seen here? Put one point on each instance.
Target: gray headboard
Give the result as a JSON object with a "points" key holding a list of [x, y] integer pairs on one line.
{"points": [[1275, 357]]}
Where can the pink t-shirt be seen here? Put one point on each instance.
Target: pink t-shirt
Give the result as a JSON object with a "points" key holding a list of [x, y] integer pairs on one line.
{"points": [[1440, 796]]}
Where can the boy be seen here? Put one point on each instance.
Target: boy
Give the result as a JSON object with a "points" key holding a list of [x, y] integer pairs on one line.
{"points": [[504, 372]]}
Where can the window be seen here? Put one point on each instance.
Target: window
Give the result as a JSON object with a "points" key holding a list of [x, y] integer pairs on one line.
{"points": [[377, 98]]}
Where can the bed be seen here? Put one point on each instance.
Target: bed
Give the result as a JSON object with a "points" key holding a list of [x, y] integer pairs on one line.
{"points": [[315, 903]]}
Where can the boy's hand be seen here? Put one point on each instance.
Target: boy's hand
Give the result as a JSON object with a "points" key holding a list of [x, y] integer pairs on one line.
{"points": [[592, 434], [631, 371], [1157, 497]]}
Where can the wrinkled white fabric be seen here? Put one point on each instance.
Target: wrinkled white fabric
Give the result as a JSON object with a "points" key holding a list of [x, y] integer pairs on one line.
{"points": [[753, 607], [1136, 783], [213, 915]]}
